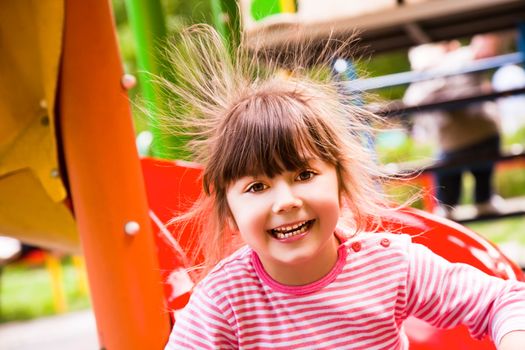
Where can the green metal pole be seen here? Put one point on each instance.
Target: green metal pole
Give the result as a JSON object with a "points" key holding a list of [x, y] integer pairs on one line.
{"points": [[226, 19], [149, 30]]}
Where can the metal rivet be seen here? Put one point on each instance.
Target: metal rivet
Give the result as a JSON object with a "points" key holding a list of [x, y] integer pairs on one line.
{"points": [[131, 228], [43, 104], [55, 173], [128, 81]]}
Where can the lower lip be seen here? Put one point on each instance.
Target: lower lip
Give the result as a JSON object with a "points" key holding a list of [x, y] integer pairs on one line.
{"points": [[294, 238]]}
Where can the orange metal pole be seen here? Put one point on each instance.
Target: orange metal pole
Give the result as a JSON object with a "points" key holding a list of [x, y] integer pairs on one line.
{"points": [[106, 184]]}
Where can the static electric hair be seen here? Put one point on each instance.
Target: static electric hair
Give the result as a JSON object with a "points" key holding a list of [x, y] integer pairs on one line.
{"points": [[246, 117]]}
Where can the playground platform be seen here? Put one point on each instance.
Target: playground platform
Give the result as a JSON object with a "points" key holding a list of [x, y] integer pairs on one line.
{"points": [[75, 330]]}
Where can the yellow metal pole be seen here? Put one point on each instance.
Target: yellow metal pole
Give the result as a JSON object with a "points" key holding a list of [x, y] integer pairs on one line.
{"points": [[80, 272], [54, 269]]}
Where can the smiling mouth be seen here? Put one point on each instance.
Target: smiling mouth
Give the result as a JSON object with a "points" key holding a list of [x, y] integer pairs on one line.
{"points": [[285, 232]]}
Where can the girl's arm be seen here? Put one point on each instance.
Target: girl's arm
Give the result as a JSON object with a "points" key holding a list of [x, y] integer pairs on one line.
{"points": [[512, 341], [201, 325], [446, 295]]}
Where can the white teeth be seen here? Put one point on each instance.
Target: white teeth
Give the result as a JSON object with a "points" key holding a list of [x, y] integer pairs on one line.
{"points": [[289, 228], [295, 232]]}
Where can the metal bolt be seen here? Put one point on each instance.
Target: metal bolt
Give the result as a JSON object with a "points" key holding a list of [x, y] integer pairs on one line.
{"points": [[128, 81], [55, 173], [131, 228]]}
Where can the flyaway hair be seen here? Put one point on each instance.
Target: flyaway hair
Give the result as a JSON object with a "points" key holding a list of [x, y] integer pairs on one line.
{"points": [[245, 115]]}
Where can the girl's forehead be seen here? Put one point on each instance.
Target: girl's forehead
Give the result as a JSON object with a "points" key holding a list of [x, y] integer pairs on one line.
{"points": [[281, 163], [312, 161]]}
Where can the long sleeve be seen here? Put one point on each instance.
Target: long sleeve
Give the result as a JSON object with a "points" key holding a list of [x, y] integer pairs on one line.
{"points": [[201, 325], [446, 295]]}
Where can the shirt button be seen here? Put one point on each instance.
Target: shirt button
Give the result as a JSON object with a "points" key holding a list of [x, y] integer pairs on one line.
{"points": [[356, 246], [385, 242]]}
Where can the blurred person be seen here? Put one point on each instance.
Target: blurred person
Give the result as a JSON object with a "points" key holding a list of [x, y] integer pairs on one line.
{"points": [[463, 134]]}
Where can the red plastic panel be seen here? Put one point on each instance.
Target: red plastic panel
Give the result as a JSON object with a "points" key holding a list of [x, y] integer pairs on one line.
{"points": [[172, 187], [454, 242]]}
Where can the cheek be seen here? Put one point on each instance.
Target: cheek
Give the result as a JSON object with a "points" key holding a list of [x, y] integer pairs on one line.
{"points": [[329, 213], [247, 216], [328, 206], [327, 199]]}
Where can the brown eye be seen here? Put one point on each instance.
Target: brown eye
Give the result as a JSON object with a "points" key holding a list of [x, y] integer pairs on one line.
{"points": [[257, 187], [305, 175]]}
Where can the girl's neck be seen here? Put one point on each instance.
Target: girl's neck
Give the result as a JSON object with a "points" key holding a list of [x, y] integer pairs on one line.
{"points": [[309, 271]]}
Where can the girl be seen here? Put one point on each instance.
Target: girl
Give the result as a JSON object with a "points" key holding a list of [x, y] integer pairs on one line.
{"points": [[285, 173]]}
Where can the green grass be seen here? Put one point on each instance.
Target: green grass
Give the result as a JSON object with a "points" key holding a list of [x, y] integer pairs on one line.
{"points": [[26, 292], [502, 230]]}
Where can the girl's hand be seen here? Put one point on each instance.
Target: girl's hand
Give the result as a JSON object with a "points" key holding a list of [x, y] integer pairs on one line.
{"points": [[512, 341]]}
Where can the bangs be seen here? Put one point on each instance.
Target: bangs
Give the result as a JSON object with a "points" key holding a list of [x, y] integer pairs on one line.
{"points": [[267, 135], [266, 149]]}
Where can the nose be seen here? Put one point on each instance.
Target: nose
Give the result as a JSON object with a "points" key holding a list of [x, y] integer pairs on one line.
{"points": [[285, 200]]}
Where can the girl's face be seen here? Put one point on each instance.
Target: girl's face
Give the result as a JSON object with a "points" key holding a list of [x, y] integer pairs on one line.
{"points": [[289, 220]]}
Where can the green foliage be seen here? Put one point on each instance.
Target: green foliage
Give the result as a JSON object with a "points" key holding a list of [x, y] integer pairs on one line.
{"points": [[188, 12], [510, 182], [395, 146], [383, 64], [516, 138]]}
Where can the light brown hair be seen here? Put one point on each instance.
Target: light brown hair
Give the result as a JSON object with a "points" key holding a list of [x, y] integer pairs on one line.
{"points": [[247, 118]]}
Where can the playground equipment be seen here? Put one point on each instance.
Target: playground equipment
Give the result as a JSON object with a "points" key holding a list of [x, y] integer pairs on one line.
{"points": [[71, 179], [65, 55]]}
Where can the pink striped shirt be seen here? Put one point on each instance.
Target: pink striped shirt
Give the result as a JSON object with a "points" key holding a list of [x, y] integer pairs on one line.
{"points": [[378, 281]]}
